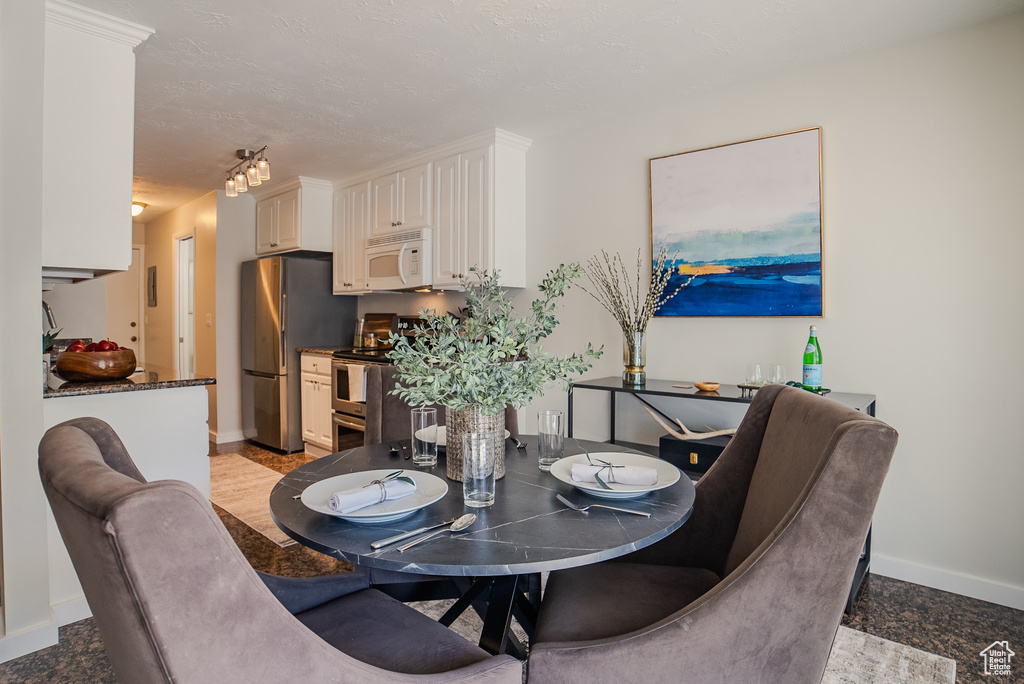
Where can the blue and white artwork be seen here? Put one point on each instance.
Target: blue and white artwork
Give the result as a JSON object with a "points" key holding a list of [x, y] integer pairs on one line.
{"points": [[744, 221]]}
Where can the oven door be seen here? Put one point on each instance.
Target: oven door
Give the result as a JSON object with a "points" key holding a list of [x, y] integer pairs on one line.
{"points": [[348, 431]]}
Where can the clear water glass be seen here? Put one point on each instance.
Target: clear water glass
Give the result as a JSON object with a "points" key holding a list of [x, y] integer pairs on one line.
{"points": [[478, 458], [550, 437], [754, 374], [777, 375], [424, 437]]}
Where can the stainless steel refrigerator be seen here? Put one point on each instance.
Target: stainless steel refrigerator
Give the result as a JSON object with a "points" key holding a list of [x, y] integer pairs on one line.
{"points": [[286, 304]]}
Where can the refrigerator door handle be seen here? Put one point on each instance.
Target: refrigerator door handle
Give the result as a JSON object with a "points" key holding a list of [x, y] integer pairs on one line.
{"points": [[284, 315]]}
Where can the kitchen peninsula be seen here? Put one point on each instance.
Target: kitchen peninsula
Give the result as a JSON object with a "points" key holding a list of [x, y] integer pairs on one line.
{"points": [[163, 424]]}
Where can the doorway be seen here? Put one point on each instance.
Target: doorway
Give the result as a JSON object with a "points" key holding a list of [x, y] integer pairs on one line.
{"points": [[124, 306], [186, 304]]}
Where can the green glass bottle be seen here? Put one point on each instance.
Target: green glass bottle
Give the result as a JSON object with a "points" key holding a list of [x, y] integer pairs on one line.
{"points": [[812, 362]]}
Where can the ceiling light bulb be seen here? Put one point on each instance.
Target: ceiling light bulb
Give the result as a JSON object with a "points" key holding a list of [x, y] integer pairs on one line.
{"points": [[252, 176], [263, 168], [240, 184], [137, 208], [229, 187]]}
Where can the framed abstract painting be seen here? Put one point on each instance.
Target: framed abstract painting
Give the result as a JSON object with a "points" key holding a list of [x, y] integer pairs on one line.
{"points": [[743, 222]]}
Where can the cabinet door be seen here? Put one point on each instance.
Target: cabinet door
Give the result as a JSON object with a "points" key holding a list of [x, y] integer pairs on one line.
{"points": [[288, 220], [476, 212], [449, 242], [415, 197], [351, 219], [310, 407], [385, 205], [266, 240], [323, 424]]}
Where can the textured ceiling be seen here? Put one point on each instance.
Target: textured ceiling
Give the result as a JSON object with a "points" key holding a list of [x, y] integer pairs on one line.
{"points": [[337, 86]]}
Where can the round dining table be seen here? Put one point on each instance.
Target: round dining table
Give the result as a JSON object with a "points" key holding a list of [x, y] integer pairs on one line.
{"points": [[525, 532]]}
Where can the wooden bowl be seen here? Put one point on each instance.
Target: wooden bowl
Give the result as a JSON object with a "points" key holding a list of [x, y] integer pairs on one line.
{"points": [[707, 386], [96, 366]]}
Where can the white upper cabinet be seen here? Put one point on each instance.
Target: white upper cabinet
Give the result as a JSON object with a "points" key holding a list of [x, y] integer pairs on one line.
{"points": [[480, 214], [294, 215], [402, 200], [89, 116], [471, 193], [351, 222]]}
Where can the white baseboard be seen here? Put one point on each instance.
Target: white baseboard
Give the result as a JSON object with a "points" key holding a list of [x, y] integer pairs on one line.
{"points": [[29, 641], [225, 437], [71, 611], [946, 580]]}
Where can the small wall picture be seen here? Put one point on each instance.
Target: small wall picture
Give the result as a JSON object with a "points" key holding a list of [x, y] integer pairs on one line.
{"points": [[151, 286], [744, 221]]}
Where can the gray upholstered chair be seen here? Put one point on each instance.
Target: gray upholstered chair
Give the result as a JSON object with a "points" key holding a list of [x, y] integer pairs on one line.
{"points": [[752, 587], [175, 600], [387, 415]]}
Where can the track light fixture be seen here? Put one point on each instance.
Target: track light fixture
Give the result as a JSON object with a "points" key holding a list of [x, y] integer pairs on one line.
{"points": [[249, 172]]}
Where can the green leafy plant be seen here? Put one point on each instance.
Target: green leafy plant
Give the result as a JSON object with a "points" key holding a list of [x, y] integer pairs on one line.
{"points": [[490, 357], [49, 337]]}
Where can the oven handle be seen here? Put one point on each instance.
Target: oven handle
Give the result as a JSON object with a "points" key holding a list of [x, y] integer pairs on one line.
{"points": [[348, 422]]}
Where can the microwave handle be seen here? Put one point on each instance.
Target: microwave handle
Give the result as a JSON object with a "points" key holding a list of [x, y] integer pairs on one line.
{"points": [[401, 263]]}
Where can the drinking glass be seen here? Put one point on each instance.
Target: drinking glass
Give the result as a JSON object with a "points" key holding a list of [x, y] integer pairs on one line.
{"points": [[424, 436], [550, 431], [478, 457], [754, 375], [777, 375]]}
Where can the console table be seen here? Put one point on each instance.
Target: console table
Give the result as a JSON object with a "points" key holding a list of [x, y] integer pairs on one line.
{"points": [[725, 393]]}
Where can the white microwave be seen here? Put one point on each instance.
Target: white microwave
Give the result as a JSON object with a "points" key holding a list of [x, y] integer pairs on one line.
{"points": [[400, 261]]}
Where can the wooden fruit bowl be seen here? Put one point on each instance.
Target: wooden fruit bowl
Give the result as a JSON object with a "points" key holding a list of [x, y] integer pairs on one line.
{"points": [[96, 366]]}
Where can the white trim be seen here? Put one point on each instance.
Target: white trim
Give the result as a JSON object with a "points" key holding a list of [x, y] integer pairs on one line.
{"points": [[97, 23], [29, 641], [71, 611], [947, 580], [491, 137], [225, 437]]}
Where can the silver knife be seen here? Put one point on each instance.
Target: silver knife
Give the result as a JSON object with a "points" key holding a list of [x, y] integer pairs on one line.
{"points": [[405, 535]]}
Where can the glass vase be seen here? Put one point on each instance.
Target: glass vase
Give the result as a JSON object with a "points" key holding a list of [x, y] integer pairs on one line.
{"points": [[634, 358], [472, 419]]}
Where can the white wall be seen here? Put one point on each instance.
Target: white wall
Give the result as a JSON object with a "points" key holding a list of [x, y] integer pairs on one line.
{"points": [[27, 624], [923, 235], [236, 242]]}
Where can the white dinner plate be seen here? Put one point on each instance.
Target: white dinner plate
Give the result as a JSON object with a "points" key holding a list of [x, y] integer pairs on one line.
{"points": [[429, 488], [442, 439], [668, 474]]}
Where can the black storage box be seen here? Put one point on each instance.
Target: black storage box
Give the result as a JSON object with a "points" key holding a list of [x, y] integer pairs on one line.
{"points": [[692, 456]]}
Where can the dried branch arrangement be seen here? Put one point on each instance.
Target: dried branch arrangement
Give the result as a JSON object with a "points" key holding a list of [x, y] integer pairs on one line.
{"points": [[613, 288]]}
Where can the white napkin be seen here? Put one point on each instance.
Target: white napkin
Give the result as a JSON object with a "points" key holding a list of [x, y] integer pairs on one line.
{"points": [[630, 475], [357, 381], [352, 500]]}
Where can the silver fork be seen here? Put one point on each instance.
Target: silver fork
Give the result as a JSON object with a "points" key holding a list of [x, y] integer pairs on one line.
{"points": [[583, 509], [519, 445]]}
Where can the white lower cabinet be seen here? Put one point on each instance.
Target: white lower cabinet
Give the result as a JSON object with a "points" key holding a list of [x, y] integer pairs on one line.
{"points": [[316, 401]]}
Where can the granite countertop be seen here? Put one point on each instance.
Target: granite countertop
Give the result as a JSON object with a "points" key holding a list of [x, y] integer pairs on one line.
{"points": [[325, 351], [146, 380]]}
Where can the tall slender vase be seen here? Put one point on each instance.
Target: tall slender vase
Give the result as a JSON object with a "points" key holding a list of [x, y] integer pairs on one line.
{"points": [[634, 358], [459, 423]]}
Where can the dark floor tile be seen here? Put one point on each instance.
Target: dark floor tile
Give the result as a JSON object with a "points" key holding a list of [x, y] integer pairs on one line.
{"points": [[936, 621]]}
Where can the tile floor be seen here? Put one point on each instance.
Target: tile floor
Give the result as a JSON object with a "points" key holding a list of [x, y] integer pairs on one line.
{"points": [[935, 621]]}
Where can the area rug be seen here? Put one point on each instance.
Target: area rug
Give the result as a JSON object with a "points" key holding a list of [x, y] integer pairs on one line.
{"points": [[857, 658], [242, 488]]}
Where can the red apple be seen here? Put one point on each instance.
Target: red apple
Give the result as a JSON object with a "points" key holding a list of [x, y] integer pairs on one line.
{"points": [[76, 347], [124, 349], [92, 346], [106, 345]]}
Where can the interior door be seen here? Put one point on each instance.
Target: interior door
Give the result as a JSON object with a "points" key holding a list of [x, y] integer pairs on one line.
{"points": [[124, 305]]}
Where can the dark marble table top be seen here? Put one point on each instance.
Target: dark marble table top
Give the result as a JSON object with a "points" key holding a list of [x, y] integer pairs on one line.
{"points": [[526, 530]]}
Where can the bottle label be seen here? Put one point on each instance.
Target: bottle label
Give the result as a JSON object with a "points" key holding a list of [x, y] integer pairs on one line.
{"points": [[812, 375]]}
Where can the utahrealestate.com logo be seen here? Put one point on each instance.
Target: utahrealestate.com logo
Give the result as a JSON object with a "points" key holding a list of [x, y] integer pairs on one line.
{"points": [[997, 658]]}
